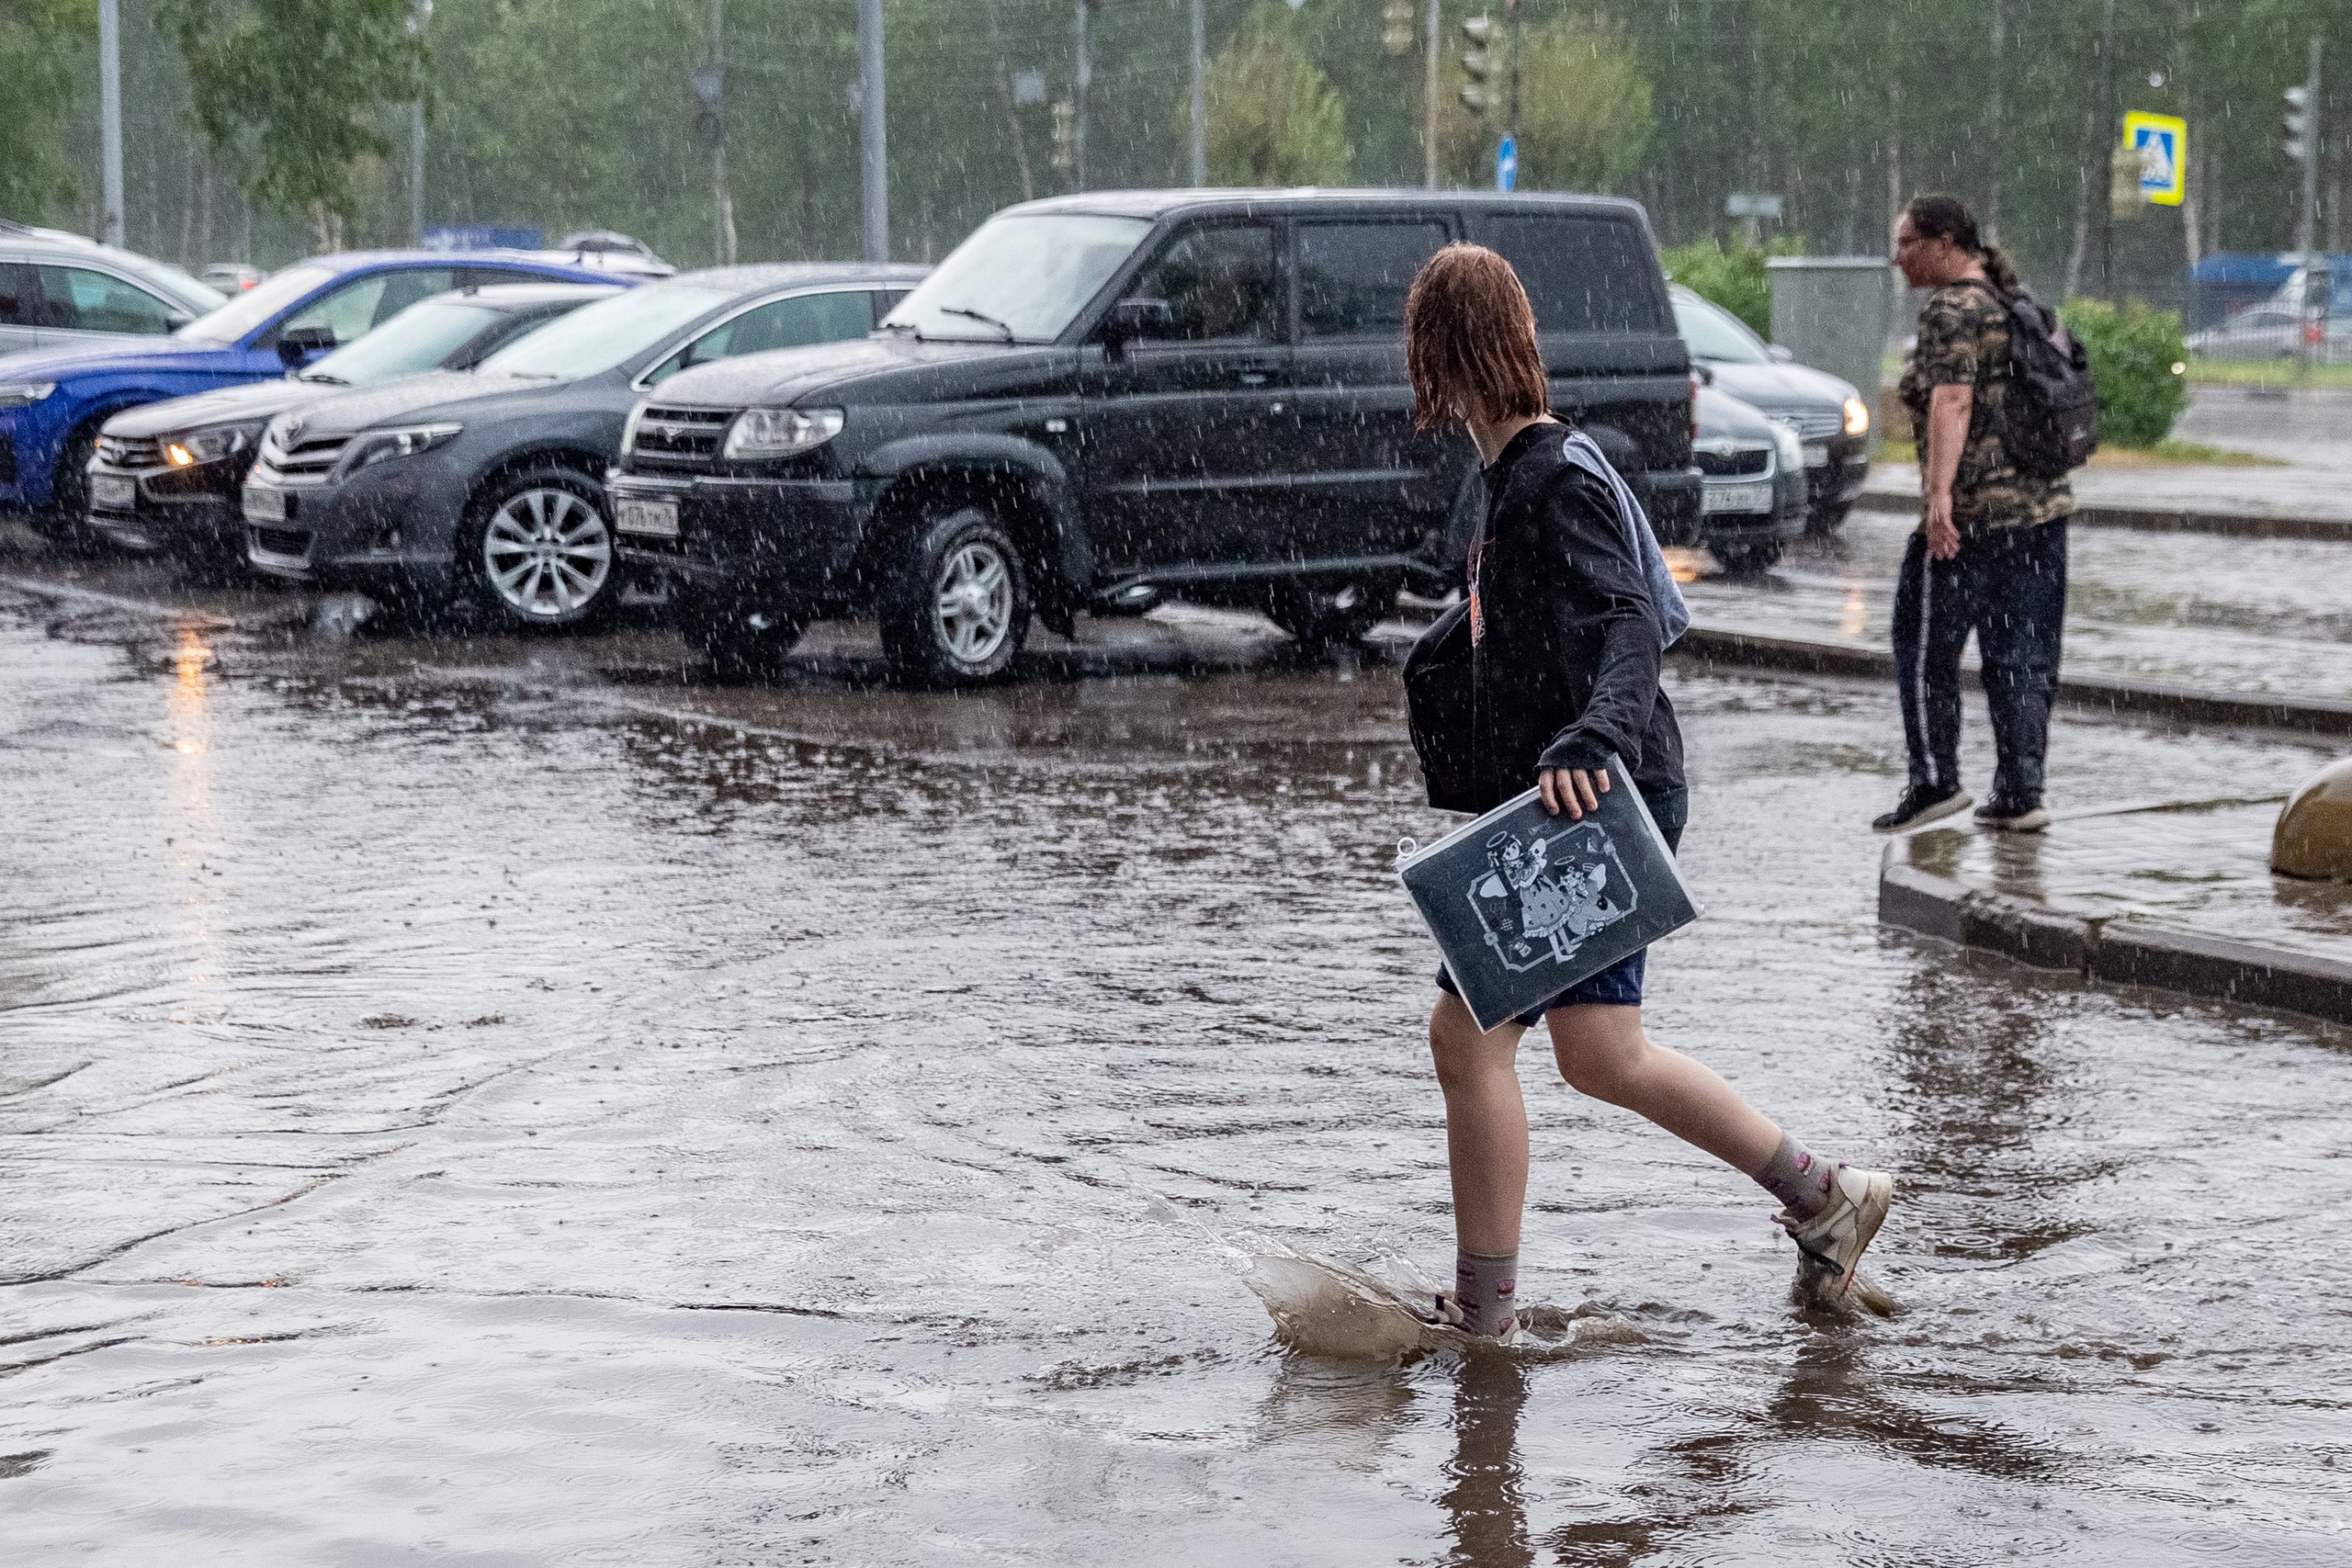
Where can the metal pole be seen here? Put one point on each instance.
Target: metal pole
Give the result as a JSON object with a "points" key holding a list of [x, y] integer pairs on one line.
{"points": [[419, 12], [2306, 231], [722, 200], [1518, 55], [1084, 90], [1429, 104], [2108, 135], [110, 119], [874, 161], [1200, 92], [416, 172]]}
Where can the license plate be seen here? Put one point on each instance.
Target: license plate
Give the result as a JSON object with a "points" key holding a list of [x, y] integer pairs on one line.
{"points": [[116, 492], [1817, 455], [1755, 497], [658, 518], [264, 504]]}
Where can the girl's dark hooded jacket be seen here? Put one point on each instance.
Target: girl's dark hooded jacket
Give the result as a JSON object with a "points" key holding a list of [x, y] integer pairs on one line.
{"points": [[1566, 669]]}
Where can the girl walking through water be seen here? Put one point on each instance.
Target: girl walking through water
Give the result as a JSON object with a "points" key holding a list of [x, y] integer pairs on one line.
{"points": [[1568, 613]]}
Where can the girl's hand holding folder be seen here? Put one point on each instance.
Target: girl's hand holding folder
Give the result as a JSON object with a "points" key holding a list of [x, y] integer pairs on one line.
{"points": [[1572, 789]]}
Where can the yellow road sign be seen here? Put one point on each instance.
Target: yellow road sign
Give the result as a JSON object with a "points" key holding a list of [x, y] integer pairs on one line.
{"points": [[2161, 144]]}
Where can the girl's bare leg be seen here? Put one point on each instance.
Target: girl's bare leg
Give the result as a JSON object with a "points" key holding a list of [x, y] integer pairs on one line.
{"points": [[1604, 1052]]}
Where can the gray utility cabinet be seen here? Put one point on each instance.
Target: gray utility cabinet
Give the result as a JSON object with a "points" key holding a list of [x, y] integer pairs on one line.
{"points": [[1832, 312]]}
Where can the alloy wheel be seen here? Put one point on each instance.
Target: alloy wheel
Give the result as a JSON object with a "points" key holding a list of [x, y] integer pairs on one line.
{"points": [[547, 553], [974, 601]]}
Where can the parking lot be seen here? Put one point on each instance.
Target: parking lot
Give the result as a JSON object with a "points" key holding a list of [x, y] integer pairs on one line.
{"points": [[516, 1100]]}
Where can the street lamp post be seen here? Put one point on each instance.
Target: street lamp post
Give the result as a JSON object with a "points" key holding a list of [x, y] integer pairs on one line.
{"points": [[110, 120], [872, 148], [419, 12]]}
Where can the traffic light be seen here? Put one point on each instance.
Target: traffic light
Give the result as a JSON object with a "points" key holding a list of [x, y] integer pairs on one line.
{"points": [[1478, 63], [2299, 140], [1397, 25]]}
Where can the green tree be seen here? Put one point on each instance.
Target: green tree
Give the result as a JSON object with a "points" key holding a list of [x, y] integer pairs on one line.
{"points": [[1585, 115], [1733, 277], [41, 56], [2133, 351], [1273, 117], [291, 91]]}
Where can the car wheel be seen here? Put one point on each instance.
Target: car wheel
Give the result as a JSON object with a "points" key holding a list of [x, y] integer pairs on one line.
{"points": [[1747, 560], [954, 611], [734, 640], [540, 549], [66, 524], [1321, 614]]}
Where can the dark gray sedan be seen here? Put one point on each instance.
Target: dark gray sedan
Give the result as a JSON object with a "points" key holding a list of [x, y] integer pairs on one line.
{"points": [[488, 487], [1828, 416]]}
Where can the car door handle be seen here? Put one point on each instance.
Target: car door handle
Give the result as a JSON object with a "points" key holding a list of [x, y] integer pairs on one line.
{"points": [[1253, 377]]}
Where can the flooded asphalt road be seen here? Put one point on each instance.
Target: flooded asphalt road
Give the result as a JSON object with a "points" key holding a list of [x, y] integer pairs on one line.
{"points": [[497, 1103]]}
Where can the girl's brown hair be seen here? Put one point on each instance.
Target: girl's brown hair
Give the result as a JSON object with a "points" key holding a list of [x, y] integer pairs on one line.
{"points": [[1470, 340]]}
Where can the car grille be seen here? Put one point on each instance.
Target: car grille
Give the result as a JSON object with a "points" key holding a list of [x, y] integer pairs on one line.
{"points": [[1730, 465], [130, 451], [292, 543], [305, 459], [680, 438], [1811, 424]]}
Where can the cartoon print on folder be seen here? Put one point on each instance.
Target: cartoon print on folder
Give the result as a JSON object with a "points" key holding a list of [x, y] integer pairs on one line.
{"points": [[1539, 902]]}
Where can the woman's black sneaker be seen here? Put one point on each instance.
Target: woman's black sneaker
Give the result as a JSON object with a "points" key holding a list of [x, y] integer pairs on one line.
{"points": [[1918, 807], [2011, 817]]}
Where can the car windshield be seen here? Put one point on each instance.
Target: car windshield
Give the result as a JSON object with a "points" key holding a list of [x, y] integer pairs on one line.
{"points": [[419, 338], [258, 304], [594, 338], [1710, 335], [1020, 279]]}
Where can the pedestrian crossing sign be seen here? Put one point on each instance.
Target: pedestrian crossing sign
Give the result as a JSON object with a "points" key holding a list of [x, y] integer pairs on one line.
{"points": [[2161, 144]]}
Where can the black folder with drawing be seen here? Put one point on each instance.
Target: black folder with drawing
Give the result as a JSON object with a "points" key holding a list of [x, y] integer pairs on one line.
{"points": [[1524, 905]]}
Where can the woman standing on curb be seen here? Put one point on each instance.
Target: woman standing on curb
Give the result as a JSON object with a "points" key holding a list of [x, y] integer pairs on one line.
{"points": [[1990, 555], [1565, 620]]}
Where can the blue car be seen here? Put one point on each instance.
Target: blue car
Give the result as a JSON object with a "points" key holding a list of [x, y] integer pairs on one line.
{"points": [[52, 401]]}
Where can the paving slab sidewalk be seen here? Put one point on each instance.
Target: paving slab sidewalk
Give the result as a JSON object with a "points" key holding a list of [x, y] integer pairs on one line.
{"points": [[2177, 895]]}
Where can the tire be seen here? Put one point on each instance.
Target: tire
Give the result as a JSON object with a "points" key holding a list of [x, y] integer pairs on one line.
{"points": [[954, 608], [1747, 560], [66, 524], [1320, 617], [734, 640], [537, 550]]}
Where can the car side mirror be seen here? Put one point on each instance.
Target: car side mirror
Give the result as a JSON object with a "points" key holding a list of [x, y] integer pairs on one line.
{"points": [[1131, 319], [1704, 371], [174, 320], [296, 345], [1778, 354]]}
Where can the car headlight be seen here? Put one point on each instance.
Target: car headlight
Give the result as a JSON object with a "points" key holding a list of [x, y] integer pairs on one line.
{"points": [[381, 446], [17, 394], [1858, 417], [208, 446], [781, 433]]}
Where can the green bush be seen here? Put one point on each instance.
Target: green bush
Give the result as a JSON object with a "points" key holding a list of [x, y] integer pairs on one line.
{"points": [[1734, 278], [2136, 356]]}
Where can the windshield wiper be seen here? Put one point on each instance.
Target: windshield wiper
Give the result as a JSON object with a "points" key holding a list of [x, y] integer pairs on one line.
{"points": [[980, 316]]}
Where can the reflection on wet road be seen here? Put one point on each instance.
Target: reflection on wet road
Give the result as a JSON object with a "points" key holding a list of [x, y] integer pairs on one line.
{"points": [[464, 1102], [2177, 609]]}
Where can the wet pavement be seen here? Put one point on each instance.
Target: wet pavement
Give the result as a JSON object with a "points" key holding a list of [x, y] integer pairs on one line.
{"points": [[2200, 866], [504, 1102], [2183, 609]]}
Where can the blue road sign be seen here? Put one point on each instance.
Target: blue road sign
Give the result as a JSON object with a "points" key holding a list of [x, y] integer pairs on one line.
{"points": [[1507, 166]]}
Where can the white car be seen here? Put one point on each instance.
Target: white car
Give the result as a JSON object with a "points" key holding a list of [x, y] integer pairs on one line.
{"points": [[59, 289], [2272, 330]]}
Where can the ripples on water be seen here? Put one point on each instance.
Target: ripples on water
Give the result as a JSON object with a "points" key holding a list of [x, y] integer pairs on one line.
{"points": [[499, 1112]]}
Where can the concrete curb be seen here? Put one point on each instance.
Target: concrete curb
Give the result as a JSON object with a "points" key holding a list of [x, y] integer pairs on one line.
{"points": [[2161, 520], [2185, 705], [2114, 951]]}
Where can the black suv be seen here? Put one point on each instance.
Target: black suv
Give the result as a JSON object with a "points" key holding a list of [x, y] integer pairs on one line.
{"points": [[1099, 397]]}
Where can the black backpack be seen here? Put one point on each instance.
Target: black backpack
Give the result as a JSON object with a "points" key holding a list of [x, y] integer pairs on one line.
{"points": [[2052, 417]]}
